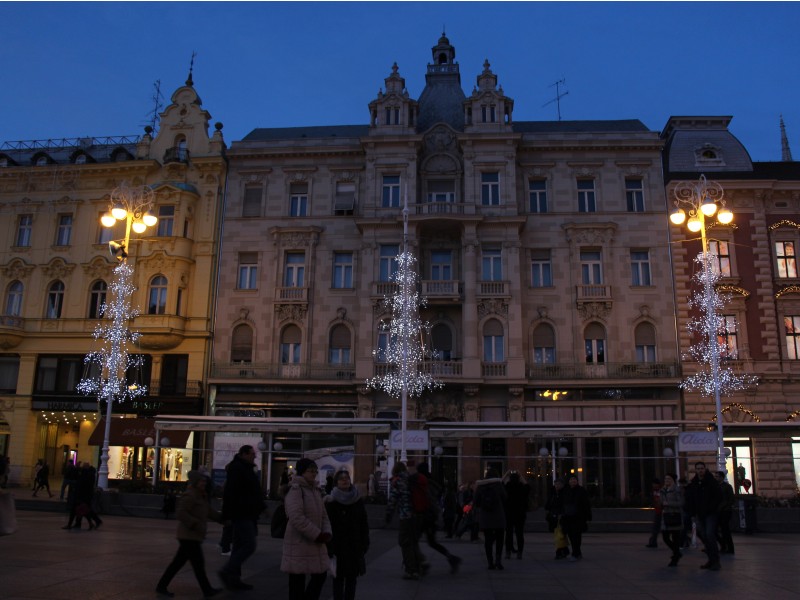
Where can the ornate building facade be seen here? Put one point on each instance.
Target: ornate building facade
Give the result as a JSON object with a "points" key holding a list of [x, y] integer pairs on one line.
{"points": [[756, 257], [543, 255], [55, 269]]}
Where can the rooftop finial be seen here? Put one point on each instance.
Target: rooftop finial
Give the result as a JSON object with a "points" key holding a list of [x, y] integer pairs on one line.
{"points": [[786, 152], [189, 81]]}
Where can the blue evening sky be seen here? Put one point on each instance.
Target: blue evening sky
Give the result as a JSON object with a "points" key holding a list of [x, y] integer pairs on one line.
{"points": [[87, 69]]}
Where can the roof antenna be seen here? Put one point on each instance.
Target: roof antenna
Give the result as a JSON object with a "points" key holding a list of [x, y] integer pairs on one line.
{"points": [[559, 95], [155, 116], [189, 81]]}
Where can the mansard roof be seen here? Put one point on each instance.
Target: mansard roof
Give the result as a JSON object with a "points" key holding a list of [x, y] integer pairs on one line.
{"points": [[263, 134], [776, 170], [626, 125]]}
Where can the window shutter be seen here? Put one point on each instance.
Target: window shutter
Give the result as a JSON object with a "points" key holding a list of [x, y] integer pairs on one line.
{"points": [[252, 202], [340, 337]]}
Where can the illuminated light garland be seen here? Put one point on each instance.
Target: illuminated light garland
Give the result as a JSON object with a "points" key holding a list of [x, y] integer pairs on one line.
{"points": [[115, 335], [783, 223], [708, 350], [792, 415], [789, 289], [741, 407], [405, 350]]}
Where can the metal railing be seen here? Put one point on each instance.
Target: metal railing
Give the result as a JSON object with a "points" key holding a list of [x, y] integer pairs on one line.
{"points": [[493, 288], [296, 294], [337, 372], [604, 371], [437, 289]]}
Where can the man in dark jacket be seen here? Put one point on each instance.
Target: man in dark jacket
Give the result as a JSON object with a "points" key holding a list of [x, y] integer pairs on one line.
{"points": [[577, 513], [725, 513], [242, 503], [518, 492], [703, 500]]}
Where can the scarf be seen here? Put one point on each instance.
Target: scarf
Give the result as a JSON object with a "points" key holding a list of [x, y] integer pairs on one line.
{"points": [[345, 497]]}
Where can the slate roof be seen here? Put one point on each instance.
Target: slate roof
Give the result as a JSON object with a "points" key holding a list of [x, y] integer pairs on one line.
{"points": [[625, 125], [64, 151], [263, 134], [679, 151], [781, 171]]}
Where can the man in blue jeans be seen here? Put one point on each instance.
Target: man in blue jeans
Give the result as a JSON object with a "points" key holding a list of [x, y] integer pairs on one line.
{"points": [[242, 503], [703, 500]]}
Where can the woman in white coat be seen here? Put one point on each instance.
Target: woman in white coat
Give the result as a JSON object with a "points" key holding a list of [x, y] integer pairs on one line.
{"points": [[307, 532]]}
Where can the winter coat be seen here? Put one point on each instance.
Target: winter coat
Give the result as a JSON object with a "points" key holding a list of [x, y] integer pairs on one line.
{"points": [[517, 505], [242, 497], [554, 507], [350, 530], [493, 517], [576, 505], [193, 514], [308, 518], [400, 497], [703, 496], [672, 503]]}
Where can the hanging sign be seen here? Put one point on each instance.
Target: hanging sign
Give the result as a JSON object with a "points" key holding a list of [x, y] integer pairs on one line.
{"points": [[415, 440], [698, 441]]}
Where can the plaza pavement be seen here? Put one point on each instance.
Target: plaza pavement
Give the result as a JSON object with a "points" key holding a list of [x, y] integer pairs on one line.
{"points": [[124, 558]]}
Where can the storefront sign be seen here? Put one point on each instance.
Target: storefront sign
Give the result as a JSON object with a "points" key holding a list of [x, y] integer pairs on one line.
{"points": [[698, 441], [415, 440], [64, 405]]}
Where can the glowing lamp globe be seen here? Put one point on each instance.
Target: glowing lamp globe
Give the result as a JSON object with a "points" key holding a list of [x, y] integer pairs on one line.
{"points": [[138, 226], [108, 220], [119, 212], [708, 208], [149, 219], [694, 225], [724, 216], [678, 216]]}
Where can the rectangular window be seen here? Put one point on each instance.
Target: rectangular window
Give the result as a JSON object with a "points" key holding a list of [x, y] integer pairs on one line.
{"points": [[595, 351], [541, 269], [345, 200], [298, 200], [248, 271], [634, 195], [342, 270], [9, 372], [24, 229], [721, 256], [174, 370], [792, 324], [586, 199], [251, 207], [64, 233], [491, 264], [784, 253], [391, 191], [441, 190], [166, 220], [388, 264], [58, 374], [441, 265], [294, 275], [645, 353], [544, 355], [727, 338], [490, 189], [640, 268], [591, 267], [493, 349], [537, 194]]}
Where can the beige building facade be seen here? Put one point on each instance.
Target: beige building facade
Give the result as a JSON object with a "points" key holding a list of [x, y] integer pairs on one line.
{"points": [[543, 254], [55, 269]]}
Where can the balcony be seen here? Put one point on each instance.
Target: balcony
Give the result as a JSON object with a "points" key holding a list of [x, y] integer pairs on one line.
{"points": [[160, 332], [440, 369], [593, 293], [188, 389], [320, 372], [382, 289], [291, 294], [494, 289], [443, 208], [561, 371], [176, 155], [442, 290], [490, 370], [12, 332]]}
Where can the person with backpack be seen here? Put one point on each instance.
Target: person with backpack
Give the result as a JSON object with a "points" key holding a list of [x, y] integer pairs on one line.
{"points": [[425, 493], [489, 499]]}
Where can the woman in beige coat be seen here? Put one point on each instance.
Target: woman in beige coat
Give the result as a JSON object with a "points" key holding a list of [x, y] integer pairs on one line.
{"points": [[304, 545]]}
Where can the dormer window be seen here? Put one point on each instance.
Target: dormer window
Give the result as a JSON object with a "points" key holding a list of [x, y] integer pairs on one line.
{"points": [[392, 116], [3, 163], [80, 159], [442, 58], [180, 147], [708, 155], [41, 161]]}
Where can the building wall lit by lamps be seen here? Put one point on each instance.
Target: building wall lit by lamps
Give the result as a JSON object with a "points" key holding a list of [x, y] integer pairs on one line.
{"points": [[698, 201], [131, 205]]}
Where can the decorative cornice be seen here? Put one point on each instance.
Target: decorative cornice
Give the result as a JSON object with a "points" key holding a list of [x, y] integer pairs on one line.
{"points": [[58, 269], [17, 270], [783, 223]]}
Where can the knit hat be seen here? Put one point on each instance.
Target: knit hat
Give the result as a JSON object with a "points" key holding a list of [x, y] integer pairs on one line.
{"points": [[303, 465]]}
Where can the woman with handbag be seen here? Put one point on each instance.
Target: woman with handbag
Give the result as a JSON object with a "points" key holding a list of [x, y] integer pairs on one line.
{"points": [[555, 510], [672, 516], [350, 529]]}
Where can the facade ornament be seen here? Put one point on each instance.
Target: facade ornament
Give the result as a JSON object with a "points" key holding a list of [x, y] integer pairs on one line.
{"points": [[594, 310], [294, 312], [492, 306], [17, 270], [58, 269], [99, 269]]}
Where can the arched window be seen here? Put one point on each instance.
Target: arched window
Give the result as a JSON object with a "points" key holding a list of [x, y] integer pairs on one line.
{"points": [[645, 336], [594, 338], [442, 342], [493, 342], [157, 298], [97, 298], [55, 300], [544, 345], [340, 344], [290, 345], [180, 147], [14, 299], [242, 344]]}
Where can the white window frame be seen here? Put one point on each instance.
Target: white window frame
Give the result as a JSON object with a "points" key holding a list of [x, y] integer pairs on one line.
{"points": [[342, 271], [641, 275], [24, 231], [64, 232], [388, 266], [634, 194], [537, 196], [441, 265], [248, 272], [15, 294], [295, 270], [390, 191], [490, 189], [591, 267], [587, 196], [166, 220], [785, 262]]}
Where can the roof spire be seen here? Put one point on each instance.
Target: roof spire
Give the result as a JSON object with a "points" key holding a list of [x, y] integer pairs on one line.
{"points": [[786, 152], [189, 81]]}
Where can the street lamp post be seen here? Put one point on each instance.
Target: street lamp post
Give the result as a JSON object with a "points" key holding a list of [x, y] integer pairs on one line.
{"points": [[131, 205], [703, 200]]}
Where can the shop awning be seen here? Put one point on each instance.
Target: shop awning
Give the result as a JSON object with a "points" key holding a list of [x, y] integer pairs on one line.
{"points": [[177, 423], [132, 432], [571, 429]]}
